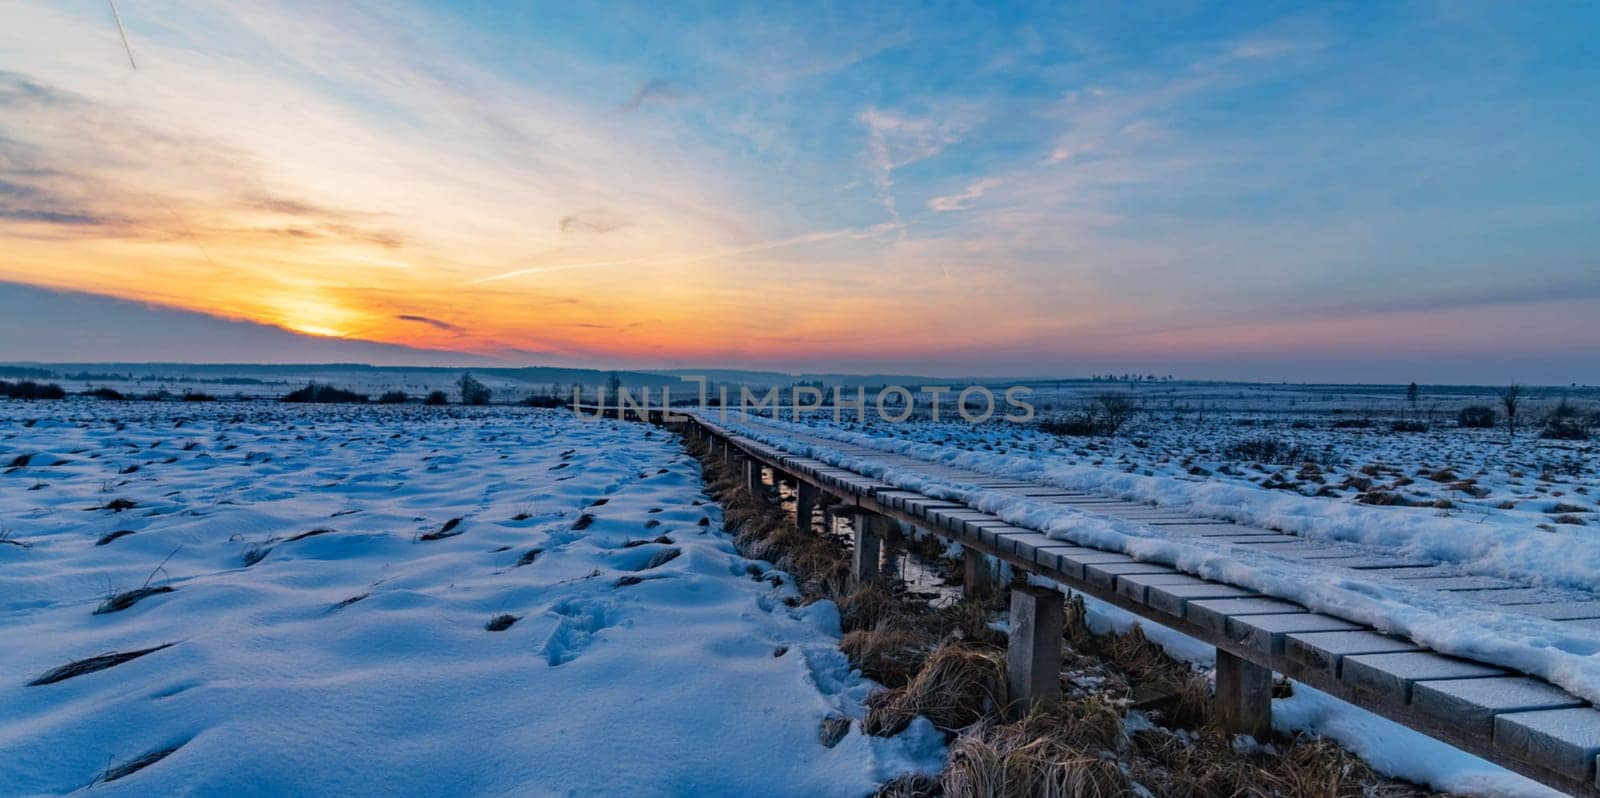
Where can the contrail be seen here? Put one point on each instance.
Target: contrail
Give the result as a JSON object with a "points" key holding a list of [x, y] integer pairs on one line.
{"points": [[122, 32], [764, 246]]}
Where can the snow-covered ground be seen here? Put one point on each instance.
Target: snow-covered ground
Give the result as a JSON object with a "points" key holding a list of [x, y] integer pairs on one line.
{"points": [[326, 620], [1338, 446]]}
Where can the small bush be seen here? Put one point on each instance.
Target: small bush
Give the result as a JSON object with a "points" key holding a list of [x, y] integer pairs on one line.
{"points": [[1081, 424], [1352, 423], [472, 391], [109, 394], [1565, 423], [436, 398], [1104, 415], [1409, 425], [393, 398], [1478, 417], [197, 396], [543, 400], [28, 389], [1266, 450], [324, 394]]}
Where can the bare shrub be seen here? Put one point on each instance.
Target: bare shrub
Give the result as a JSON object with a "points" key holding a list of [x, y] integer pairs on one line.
{"points": [[472, 391], [1105, 415], [1115, 410], [1511, 399]]}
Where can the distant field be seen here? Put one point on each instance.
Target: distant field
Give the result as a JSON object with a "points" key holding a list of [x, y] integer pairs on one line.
{"points": [[1362, 444]]}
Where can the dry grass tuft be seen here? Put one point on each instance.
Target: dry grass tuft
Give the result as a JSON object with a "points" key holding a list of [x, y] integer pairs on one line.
{"points": [[450, 529], [910, 785], [866, 607], [888, 655], [662, 558], [500, 623], [110, 536], [1059, 749], [955, 688], [139, 763], [969, 619], [93, 664], [128, 598]]}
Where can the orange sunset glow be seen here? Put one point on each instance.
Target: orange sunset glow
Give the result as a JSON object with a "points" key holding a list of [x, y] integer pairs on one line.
{"points": [[399, 177]]}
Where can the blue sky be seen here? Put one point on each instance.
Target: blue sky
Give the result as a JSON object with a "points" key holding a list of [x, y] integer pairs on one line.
{"points": [[1272, 191]]}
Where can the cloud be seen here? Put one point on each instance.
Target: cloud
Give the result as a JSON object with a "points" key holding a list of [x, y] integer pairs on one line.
{"points": [[897, 139], [434, 323], [597, 221], [964, 200], [652, 92], [699, 257], [75, 167]]}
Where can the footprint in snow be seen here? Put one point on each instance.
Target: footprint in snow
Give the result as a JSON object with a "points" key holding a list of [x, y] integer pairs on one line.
{"points": [[581, 621]]}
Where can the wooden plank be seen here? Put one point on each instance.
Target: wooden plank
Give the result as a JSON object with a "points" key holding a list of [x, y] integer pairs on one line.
{"points": [[1454, 583], [1174, 599], [1566, 741], [1134, 586], [1391, 676], [1104, 575], [1472, 704], [1055, 557], [1265, 634], [1027, 545], [1567, 611], [1324, 652], [1212, 614]]}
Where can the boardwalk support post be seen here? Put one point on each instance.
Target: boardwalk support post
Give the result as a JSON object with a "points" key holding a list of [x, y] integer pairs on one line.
{"points": [[753, 481], [1033, 649], [1244, 696], [805, 505], [977, 574], [869, 534]]}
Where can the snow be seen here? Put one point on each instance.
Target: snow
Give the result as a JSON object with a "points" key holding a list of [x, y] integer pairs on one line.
{"points": [[278, 684]]}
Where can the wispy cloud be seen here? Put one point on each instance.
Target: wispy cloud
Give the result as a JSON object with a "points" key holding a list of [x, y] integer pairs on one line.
{"points": [[963, 200], [896, 139], [595, 220], [698, 257], [434, 323], [652, 91]]}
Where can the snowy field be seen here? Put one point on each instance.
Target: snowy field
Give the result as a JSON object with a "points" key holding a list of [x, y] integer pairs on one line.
{"points": [[323, 595], [1331, 441]]}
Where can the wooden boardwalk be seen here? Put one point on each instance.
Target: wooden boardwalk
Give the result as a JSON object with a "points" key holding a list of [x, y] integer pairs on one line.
{"points": [[1522, 723]]}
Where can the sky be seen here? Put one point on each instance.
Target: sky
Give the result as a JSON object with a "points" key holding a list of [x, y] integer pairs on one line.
{"points": [[1350, 192]]}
